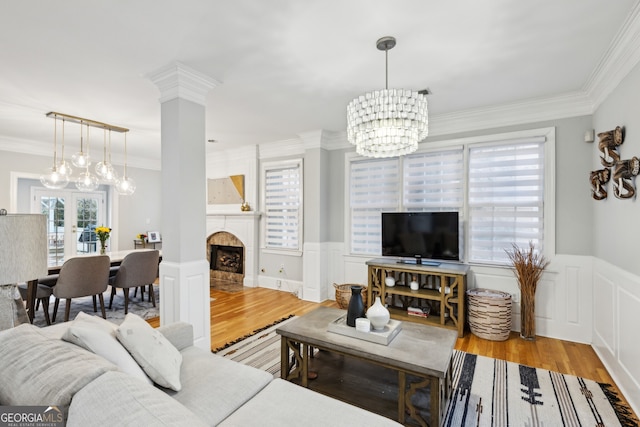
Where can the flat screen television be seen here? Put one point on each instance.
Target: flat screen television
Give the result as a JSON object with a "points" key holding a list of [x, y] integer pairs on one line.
{"points": [[420, 235]]}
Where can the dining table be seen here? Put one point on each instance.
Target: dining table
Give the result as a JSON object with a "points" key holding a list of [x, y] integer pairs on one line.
{"points": [[115, 257]]}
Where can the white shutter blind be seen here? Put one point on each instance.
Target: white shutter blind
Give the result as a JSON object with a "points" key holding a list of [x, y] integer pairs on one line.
{"points": [[282, 207], [506, 195], [434, 181], [375, 188]]}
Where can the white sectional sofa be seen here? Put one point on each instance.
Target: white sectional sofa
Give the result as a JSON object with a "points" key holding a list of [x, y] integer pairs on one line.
{"points": [[102, 387]]}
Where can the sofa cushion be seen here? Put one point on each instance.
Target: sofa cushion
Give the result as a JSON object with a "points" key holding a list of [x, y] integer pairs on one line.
{"points": [[119, 399], [98, 335], [38, 370], [213, 387], [154, 353], [282, 403]]}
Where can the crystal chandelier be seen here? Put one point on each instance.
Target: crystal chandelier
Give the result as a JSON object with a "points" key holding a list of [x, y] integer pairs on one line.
{"points": [[388, 122]]}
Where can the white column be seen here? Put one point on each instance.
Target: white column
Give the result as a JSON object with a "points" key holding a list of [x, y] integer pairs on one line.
{"points": [[315, 259], [184, 271]]}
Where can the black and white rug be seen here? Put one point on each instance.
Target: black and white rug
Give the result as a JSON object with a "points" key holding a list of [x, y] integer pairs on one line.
{"points": [[144, 309], [486, 391]]}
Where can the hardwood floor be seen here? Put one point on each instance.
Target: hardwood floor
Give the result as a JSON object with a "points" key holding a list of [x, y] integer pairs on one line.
{"points": [[236, 314]]}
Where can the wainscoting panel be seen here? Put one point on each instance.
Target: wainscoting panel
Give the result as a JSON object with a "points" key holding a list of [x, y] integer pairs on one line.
{"points": [[616, 319], [604, 311]]}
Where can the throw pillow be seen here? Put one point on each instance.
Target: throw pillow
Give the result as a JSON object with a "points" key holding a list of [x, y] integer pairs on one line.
{"points": [[98, 335], [154, 353]]}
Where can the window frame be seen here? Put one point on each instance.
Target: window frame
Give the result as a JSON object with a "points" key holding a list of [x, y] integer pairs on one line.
{"points": [[265, 167], [548, 133]]}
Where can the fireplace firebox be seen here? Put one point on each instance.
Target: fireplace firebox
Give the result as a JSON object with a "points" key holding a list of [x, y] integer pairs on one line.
{"points": [[227, 258]]}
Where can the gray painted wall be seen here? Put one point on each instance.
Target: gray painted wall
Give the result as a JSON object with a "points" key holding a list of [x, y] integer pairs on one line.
{"points": [[615, 221]]}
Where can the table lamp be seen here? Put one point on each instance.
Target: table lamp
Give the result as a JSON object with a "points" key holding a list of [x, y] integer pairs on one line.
{"points": [[23, 257]]}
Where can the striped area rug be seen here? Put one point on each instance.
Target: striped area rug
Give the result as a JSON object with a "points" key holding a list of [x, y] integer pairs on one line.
{"points": [[492, 392], [261, 349], [486, 391]]}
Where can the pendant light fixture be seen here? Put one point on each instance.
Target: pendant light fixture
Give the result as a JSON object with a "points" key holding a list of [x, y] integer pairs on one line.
{"points": [[52, 178], [82, 159], [86, 181], [63, 167], [389, 122], [125, 186], [104, 169]]}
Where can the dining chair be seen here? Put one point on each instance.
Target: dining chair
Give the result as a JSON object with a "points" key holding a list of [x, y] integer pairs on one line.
{"points": [[82, 277], [138, 269], [43, 293]]}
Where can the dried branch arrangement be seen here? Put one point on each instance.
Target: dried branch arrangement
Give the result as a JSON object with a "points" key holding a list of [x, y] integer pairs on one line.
{"points": [[528, 267]]}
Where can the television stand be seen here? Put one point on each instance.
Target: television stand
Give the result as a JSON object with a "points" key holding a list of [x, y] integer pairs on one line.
{"points": [[419, 262], [441, 292]]}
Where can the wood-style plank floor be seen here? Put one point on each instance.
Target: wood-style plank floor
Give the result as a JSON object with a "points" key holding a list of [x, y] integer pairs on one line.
{"points": [[236, 314]]}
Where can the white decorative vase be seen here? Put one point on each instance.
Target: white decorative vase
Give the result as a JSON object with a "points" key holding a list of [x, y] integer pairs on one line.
{"points": [[414, 285], [378, 315], [390, 281]]}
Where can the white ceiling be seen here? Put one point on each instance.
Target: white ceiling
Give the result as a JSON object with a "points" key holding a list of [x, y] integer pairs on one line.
{"points": [[286, 66]]}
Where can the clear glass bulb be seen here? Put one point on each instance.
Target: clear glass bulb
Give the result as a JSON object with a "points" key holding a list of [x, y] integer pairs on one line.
{"points": [[111, 176], [102, 168], [53, 179], [64, 168], [81, 159], [87, 182], [126, 186]]}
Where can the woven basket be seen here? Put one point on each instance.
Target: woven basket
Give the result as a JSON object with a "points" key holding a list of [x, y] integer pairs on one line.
{"points": [[343, 294], [489, 313]]}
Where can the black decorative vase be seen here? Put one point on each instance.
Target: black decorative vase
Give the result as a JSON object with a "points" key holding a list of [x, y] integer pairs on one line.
{"points": [[356, 306]]}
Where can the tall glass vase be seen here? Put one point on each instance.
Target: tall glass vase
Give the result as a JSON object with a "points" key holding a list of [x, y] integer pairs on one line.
{"points": [[103, 248], [528, 316]]}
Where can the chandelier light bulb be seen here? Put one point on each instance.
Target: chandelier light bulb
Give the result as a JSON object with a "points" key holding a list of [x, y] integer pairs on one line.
{"points": [[64, 168], [87, 182], [53, 179], [80, 159], [126, 186]]}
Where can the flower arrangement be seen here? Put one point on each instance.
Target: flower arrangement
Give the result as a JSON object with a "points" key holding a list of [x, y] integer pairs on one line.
{"points": [[528, 266], [103, 234], [142, 236]]}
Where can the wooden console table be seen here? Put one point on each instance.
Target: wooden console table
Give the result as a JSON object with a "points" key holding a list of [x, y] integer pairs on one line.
{"points": [[442, 288]]}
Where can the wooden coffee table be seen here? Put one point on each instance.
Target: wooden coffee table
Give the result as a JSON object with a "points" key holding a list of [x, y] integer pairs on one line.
{"points": [[420, 351]]}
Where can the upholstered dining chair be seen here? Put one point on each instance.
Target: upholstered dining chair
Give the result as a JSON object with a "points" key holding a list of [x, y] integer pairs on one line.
{"points": [[43, 293], [138, 269], [82, 277]]}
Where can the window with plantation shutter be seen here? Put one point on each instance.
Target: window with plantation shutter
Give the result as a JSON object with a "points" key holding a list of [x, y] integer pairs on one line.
{"points": [[374, 188], [506, 198], [434, 181], [283, 205]]}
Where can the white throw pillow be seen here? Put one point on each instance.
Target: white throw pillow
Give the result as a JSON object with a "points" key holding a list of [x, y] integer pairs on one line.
{"points": [[98, 335], [154, 353]]}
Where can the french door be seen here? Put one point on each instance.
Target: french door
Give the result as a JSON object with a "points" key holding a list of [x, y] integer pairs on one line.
{"points": [[72, 217]]}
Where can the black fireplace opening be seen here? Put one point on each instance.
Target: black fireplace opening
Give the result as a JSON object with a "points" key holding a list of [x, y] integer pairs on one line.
{"points": [[227, 258]]}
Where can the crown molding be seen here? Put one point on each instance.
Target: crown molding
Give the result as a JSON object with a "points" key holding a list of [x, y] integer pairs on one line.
{"points": [[529, 111], [288, 147], [621, 57], [176, 80]]}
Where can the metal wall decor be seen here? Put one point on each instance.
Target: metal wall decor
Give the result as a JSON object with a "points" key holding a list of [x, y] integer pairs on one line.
{"points": [[624, 171]]}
